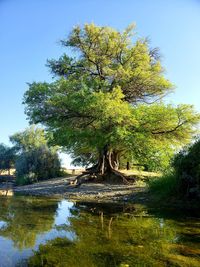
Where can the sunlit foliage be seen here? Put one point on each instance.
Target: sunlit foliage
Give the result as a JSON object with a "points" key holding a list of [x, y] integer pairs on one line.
{"points": [[109, 94]]}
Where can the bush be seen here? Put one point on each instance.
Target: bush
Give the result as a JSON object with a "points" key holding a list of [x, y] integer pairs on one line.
{"points": [[187, 165], [164, 186], [184, 180], [41, 163]]}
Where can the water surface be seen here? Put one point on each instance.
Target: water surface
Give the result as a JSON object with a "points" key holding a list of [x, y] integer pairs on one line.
{"points": [[50, 232]]}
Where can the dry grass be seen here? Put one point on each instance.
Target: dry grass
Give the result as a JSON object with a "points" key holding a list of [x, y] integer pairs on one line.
{"points": [[140, 173]]}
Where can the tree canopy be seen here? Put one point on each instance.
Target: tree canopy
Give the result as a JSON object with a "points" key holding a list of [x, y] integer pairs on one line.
{"points": [[28, 139], [106, 100]]}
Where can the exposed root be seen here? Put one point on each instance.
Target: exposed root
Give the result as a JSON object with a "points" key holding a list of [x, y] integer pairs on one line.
{"points": [[113, 177], [84, 177]]}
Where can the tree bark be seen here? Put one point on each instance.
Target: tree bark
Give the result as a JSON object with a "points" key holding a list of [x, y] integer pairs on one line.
{"points": [[106, 169], [128, 165], [115, 159]]}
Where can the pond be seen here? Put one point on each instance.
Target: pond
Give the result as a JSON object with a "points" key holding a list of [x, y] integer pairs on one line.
{"points": [[52, 232]]}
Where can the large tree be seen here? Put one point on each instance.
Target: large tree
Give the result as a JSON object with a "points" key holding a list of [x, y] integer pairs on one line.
{"points": [[106, 99]]}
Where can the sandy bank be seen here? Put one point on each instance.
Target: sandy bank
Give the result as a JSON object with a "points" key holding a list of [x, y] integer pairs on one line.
{"points": [[60, 187]]}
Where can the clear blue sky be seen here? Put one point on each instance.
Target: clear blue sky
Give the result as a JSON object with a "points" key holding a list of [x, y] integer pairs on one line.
{"points": [[30, 31]]}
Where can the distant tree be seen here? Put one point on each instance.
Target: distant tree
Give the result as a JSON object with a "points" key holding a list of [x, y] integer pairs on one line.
{"points": [[29, 139], [36, 160], [107, 100], [40, 163], [7, 158]]}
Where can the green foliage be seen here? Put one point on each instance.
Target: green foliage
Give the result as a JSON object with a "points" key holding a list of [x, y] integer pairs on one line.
{"points": [[31, 138], [36, 160], [187, 168], [102, 96], [165, 186], [7, 157], [37, 164], [105, 58], [184, 179], [160, 130]]}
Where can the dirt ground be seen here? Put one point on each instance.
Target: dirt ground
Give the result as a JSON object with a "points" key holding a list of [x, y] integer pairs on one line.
{"points": [[60, 187]]}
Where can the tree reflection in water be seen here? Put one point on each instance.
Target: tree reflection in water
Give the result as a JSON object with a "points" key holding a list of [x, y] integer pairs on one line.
{"points": [[118, 235], [95, 234], [25, 218]]}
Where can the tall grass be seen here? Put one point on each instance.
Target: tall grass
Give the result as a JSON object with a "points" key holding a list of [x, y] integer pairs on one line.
{"points": [[165, 186]]}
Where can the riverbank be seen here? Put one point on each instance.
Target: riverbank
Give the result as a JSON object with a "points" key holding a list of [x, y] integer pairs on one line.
{"points": [[136, 192], [61, 187]]}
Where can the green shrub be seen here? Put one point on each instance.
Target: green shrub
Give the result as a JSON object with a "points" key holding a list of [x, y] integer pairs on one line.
{"points": [[164, 186], [38, 164], [184, 180], [187, 167]]}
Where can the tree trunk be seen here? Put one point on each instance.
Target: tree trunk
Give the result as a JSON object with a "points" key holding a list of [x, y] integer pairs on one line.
{"points": [[128, 165], [105, 169], [115, 159]]}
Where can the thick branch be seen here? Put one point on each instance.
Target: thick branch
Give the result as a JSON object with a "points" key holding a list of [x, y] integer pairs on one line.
{"points": [[170, 131]]}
